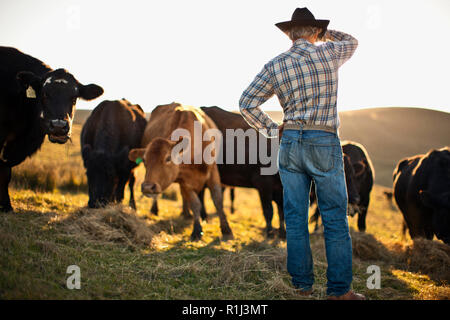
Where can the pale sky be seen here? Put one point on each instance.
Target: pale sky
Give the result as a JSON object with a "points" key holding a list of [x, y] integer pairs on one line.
{"points": [[206, 52]]}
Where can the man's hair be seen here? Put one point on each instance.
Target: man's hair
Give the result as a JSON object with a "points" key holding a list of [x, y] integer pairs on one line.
{"points": [[298, 32]]}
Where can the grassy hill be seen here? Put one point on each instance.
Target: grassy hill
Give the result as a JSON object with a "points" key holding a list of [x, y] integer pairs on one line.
{"points": [[126, 254]]}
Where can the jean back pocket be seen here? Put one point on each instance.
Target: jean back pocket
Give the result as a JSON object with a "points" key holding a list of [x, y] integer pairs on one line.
{"points": [[284, 151], [323, 156]]}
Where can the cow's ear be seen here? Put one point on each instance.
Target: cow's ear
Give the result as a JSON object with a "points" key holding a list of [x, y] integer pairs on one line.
{"points": [[90, 91], [29, 82], [86, 152], [135, 154], [359, 168]]}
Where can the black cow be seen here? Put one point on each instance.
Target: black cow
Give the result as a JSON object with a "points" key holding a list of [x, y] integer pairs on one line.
{"points": [[249, 175], [110, 132], [35, 100], [359, 177], [422, 192]]}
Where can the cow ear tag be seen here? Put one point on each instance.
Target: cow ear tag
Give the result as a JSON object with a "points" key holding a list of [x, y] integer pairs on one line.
{"points": [[138, 160], [31, 93]]}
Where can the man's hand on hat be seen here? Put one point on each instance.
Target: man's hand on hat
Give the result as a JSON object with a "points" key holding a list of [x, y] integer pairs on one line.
{"points": [[326, 36]]}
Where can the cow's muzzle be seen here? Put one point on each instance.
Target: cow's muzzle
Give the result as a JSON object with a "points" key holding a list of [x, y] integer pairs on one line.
{"points": [[352, 209], [150, 189], [59, 131], [354, 200]]}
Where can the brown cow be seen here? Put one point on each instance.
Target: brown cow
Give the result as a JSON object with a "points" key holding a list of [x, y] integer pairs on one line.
{"points": [[161, 170]]}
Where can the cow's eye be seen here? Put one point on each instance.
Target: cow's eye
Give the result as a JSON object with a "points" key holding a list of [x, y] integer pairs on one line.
{"points": [[168, 158], [74, 100]]}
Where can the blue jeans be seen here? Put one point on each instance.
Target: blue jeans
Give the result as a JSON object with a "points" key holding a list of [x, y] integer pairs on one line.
{"points": [[315, 155]]}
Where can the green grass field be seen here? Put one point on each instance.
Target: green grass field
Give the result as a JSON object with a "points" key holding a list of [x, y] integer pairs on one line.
{"points": [[124, 254]]}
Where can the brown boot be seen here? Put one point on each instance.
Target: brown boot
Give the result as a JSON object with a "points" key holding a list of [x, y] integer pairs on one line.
{"points": [[350, 295]]}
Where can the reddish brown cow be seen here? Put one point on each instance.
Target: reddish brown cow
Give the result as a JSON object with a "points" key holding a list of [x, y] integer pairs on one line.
{"points": [[162, 170]]}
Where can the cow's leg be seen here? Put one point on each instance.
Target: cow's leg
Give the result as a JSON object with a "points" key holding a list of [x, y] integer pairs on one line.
{"points": [[265, 196], [120, 188], [201, 196], [428, 228], [414, 221], [185, 213], [316, 215], [315, 218], [131, 182], [416, 231], [364, 205], [278, 198], [192, 201], [5, 178], [154, 209], [404, 229], [232, 200], [204, 216], [215, 187]]}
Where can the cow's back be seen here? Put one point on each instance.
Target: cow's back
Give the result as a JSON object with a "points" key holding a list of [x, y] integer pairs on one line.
{"points": [[13, 61], [113, 125], [165, 119], [225, 119], [242, 175]]}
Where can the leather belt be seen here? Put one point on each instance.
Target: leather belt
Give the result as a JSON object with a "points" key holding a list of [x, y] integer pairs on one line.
{"points": [[296, 126]]}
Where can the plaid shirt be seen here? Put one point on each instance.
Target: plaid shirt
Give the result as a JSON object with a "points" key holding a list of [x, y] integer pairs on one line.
{"points": [[305, 81]]}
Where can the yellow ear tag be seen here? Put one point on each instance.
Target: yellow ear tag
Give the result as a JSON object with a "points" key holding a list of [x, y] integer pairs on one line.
{"points": [[31, 93]]}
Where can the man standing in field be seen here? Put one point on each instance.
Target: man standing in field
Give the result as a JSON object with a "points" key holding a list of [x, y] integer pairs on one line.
{"points": [[305, 81]]}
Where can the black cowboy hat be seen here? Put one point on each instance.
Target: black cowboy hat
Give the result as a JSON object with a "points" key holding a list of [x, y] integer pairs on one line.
{"points": [[303, 17]]}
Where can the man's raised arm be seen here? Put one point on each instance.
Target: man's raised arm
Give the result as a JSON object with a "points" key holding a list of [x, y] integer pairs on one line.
{"points": [[342, 44]]}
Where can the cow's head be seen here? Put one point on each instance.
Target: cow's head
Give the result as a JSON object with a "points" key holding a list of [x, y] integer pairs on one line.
{"points": [[56, 93], [351, 180], [354, 173], [161, 169], [103, 170]]}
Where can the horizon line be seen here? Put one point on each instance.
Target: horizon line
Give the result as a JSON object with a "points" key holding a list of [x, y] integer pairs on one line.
{"points": [[278, 109]]}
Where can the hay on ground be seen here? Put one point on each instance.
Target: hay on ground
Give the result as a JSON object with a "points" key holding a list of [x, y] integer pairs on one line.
{"points": [[429, 257], [366, 247], [110, 224]]}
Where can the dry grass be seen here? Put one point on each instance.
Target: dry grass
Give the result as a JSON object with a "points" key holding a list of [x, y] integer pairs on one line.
{"points": [[111, 224], [56, 167]]}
